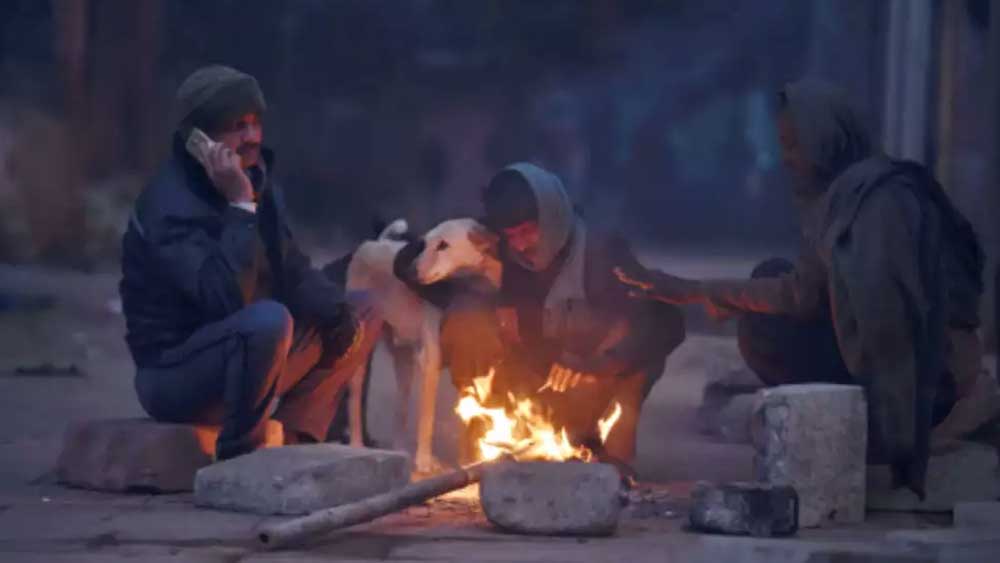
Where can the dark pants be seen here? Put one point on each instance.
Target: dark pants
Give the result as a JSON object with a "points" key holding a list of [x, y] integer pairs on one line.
{"points": [[783, 350], [471, 345], [229, 373]]}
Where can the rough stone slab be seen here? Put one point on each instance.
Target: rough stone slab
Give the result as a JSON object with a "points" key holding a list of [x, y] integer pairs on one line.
{"points": [[299, 479], [735, 549], [967, 474], [813, 438], [965, 545], [733, 422], [547, 498], [728, 382], [977, 515], [139, 454], [745, 509], [723, 401]]}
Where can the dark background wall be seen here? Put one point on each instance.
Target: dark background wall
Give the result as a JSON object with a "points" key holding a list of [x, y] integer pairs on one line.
{"points": [[657, 114]]}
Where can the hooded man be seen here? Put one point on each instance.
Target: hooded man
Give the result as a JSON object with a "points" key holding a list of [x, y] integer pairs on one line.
{"points": [[224, 312], [884, 295], [563, 329]]}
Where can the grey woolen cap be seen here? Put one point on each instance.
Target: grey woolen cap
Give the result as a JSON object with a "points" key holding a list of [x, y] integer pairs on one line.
{"points": [[213, 94]]}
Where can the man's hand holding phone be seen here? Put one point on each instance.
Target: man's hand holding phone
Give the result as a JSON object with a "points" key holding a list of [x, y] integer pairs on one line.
{"points": [[223, 167]]}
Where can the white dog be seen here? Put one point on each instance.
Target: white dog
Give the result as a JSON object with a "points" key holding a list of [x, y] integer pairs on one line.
{"points": [[458, 249]]}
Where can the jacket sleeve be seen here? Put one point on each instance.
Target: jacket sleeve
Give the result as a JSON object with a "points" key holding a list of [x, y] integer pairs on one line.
{"points": [[800, 293], [312, 295], [640, 332], [217, 275]]}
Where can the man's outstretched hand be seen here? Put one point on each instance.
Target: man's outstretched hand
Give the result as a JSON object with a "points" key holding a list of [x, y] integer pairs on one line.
{"points": [[658, 286]]}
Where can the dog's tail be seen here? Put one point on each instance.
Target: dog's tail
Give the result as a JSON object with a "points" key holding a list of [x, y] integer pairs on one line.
{"points": [[397, 230]]}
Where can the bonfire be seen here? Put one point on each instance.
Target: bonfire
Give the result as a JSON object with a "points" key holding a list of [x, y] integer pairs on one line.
{"points": [[522, 428]]}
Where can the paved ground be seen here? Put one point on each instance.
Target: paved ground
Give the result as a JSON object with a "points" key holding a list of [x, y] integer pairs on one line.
{"points": [[40, 521]]}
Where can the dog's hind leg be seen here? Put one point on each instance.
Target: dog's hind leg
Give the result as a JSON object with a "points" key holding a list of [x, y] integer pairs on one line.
{"points": [[429, 362], [402, 359]]}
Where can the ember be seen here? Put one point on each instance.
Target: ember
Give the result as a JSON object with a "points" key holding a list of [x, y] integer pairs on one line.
{"points": [[521, 429]]}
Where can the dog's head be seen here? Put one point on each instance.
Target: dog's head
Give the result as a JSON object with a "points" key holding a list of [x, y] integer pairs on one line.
{"points": [[455, 248]]}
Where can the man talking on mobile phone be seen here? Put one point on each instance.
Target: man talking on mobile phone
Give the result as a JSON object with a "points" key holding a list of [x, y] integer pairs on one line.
{"points": [[224, 313]]}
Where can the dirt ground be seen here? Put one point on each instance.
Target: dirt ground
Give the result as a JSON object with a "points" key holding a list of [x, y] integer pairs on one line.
{"points": [[41, 521]]}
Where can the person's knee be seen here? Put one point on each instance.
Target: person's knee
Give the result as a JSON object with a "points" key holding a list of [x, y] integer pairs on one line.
{"points": [[772, 268], [269, 325], [671, 327], [465, 324], [470, 343]]}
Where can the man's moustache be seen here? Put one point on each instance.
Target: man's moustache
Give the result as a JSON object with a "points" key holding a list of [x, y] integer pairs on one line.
{"points": [[248, 148]]}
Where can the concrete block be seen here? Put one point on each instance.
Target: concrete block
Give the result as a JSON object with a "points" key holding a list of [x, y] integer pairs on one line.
{"points": [[977, 515], [813, 438], [726, 404], [546, 498], [734, 420], [951, 545], [745, 509], [299, 479], [966, 474], [139, 455]]}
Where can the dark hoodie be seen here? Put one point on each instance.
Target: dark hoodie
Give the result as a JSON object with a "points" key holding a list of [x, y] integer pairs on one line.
{"points": [[568, 300], [889, 259]]}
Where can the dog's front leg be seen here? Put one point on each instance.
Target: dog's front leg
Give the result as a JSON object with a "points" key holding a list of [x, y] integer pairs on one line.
{"points": [[403, 362], [429, 362]]}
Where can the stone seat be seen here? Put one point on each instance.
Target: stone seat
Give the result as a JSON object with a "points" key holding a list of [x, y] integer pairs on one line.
{"points": [[140, 454], [299, 479], [965, 474], [813, 437]]}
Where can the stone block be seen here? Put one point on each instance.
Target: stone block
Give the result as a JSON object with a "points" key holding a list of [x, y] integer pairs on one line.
{"points": [[733, 421], [546, 498], [745, 509], [966, 474], [139, 455], [813, 438], [299, 479], [725, 399], [950, 545], [977, 515]]}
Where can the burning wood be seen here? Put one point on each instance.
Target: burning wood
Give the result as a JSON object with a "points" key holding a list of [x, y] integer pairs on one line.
{"points": [[522, 428], [281, 534], [519, 431]]}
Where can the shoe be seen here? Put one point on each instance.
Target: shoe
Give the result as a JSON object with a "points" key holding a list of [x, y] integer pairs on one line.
{"points": [[979, 407]]}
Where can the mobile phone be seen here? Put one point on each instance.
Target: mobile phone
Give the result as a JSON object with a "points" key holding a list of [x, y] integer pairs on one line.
{"points": [[198, 145]]}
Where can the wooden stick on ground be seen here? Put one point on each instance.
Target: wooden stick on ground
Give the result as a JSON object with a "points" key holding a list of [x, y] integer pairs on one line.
{"points": [[278, 535]]}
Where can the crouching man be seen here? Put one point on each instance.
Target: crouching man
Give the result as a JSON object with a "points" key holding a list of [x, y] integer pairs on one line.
{"points": [[224, 312], [884, 295], [561, 322]]}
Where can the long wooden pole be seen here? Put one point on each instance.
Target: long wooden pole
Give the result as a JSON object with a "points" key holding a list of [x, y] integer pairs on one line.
{"points": [[278, 535]]}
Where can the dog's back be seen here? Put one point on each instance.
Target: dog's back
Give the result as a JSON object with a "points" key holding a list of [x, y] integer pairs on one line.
{"points": [[371, 269]]}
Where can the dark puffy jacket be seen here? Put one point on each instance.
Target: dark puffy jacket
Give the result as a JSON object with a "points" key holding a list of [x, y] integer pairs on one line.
{"points": [[189, 259]]}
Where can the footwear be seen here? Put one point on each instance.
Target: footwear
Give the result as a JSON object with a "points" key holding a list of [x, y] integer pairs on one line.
{"points": [[977, 408], [294, 438]]}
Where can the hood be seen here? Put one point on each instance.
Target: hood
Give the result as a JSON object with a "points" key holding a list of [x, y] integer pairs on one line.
{"points": [[556, 218], [828, 126]]}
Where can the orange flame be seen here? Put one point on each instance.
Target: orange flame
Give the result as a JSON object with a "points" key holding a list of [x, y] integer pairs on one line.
{"points": [[522, 429]]}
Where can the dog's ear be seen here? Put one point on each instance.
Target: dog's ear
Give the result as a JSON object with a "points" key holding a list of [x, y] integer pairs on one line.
{"points": [[484, 240]]}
